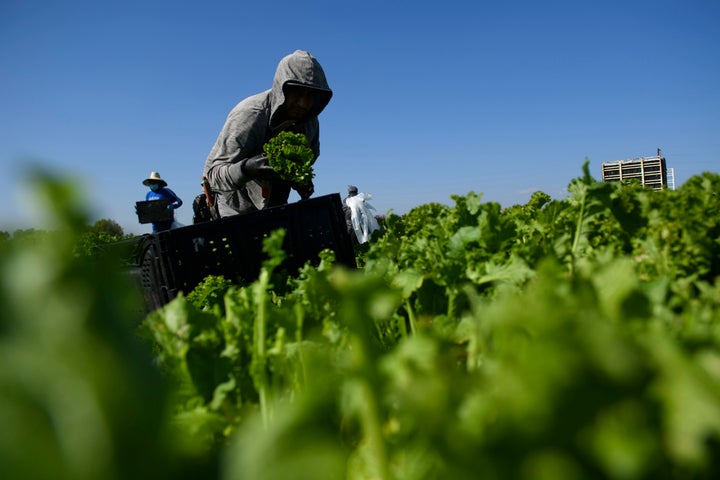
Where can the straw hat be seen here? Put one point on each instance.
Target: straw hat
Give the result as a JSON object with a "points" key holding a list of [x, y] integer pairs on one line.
{"points": [[154, 178]]}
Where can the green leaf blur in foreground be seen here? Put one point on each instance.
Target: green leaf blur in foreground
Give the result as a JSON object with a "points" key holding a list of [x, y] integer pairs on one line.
{"points": [[79, 395], [290, 155], [573, 339]]}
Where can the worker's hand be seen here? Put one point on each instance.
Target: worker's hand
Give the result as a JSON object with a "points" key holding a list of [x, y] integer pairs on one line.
{"points": [[304, 190], [257, 168]]}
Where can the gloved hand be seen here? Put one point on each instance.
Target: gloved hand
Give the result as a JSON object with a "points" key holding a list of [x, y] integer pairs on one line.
{"points": [[257, 168], [305, 190]]}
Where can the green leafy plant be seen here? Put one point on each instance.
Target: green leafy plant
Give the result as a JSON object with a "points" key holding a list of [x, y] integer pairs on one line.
{"points": [[209, 293], [574, 338], [290, 155], [80, 397]]}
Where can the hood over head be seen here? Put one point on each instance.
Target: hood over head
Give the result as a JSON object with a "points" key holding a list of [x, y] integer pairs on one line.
{"points": [[300, 68]]}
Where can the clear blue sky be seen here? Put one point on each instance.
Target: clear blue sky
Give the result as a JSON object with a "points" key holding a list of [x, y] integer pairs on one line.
{"points": [[430, 99]]}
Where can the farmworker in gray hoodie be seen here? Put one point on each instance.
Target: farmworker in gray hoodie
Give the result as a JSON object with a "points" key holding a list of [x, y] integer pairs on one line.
{"points": [[236, 167]]}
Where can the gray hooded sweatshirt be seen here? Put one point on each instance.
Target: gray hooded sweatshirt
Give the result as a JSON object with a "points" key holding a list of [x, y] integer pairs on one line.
{"points": [[251, 124]]}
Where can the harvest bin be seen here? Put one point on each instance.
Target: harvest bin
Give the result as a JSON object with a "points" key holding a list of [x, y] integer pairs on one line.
{"points": [[153, 211], [179, 259]]}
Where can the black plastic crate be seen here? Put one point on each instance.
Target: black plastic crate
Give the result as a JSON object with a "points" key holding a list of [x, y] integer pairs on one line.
{"points": [[153, 211], [179, 259]]}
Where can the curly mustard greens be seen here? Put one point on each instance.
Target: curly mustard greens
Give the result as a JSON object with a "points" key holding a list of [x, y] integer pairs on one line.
{"points": [[290, 155]]}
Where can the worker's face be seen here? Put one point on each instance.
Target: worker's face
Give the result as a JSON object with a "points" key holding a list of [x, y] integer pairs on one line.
{"points": [[298, 101]]}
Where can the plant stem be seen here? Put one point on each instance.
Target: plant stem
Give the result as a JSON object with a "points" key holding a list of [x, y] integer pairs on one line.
{"points": [[260, 377], [578, 232], [411, 318], [371, 425]]}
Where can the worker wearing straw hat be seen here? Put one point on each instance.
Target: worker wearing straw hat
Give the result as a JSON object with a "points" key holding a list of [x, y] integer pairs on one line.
{"points": [[160, 191]]}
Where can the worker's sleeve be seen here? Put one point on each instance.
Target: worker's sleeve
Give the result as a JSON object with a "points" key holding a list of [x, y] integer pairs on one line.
{"points": [[176, 201], [237, 141]]}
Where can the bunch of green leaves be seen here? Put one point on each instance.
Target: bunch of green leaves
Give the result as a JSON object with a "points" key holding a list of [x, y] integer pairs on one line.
{"points": [[209, 293], [290, 155]]}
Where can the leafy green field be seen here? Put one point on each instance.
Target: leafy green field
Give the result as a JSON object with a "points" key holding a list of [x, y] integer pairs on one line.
{"points": [[561, 339]]}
